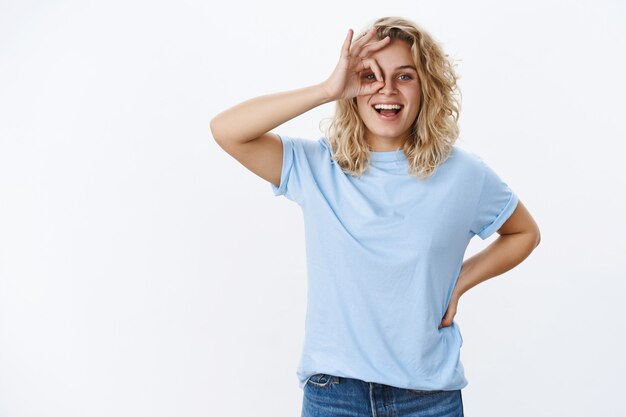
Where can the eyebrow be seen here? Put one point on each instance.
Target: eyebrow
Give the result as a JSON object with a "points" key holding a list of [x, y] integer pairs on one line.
{"points": [[401, 67]]}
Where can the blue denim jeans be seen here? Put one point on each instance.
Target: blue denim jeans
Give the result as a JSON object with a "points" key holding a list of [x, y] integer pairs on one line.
{"points": [[333, 396]]}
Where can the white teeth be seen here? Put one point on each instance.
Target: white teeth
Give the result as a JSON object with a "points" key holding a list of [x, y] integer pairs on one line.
{"points": [[387, 107]]}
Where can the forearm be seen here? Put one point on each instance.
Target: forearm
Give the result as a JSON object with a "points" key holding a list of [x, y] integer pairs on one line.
{"points": [[255, 117], [503, 254]]}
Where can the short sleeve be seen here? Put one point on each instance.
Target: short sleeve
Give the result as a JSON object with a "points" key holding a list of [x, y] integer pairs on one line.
{"points": [[294, 169], [495, 205]]}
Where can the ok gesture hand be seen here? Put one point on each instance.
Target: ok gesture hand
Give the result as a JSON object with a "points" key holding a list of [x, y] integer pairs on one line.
{"points": [[346, 81]]}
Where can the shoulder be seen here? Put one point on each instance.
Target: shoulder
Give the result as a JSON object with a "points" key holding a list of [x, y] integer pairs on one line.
{"points": [[465, 160], [313, 148], [306, 151], [463, 154], [303, 143]]}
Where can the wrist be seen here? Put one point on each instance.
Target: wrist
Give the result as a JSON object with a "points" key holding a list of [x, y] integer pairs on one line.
{"points": [[326, 95], [460, 287]]}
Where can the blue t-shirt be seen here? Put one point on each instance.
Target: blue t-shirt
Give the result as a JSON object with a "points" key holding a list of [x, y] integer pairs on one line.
{"points": [[383, 253]]}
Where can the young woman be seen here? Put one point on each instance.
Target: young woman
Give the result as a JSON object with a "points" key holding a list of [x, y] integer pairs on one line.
{"points": [[389, 205]]}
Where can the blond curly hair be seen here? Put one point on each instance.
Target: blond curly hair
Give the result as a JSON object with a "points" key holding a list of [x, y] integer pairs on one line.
{"points": [[435, 129]]}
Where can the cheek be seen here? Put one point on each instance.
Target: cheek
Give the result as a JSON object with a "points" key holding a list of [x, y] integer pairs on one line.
{"points": [[412, 91], [361, 107]]}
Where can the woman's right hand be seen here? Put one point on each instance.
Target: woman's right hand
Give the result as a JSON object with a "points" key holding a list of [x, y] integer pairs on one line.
{"points": [[346, 81]]}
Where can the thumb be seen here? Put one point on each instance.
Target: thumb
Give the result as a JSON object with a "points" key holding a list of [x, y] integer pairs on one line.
{"points": [[448, 317]]}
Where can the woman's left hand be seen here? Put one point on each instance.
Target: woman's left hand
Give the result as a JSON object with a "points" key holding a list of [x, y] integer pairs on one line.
{"points": [[450, 312]]}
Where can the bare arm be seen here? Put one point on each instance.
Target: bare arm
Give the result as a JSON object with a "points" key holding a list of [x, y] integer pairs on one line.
{"points": [[243, 131], [519, 236], [251, 119]]}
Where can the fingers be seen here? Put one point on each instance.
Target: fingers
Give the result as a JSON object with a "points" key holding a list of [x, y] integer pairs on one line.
{"points": [[362, 48], [358, 44], [374, 46], [366, 36], [373, 65], [376, 69], [345, 48], [368, 86], [371, 88]]}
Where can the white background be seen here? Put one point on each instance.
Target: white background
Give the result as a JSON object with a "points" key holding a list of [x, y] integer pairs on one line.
{"points": [[144, 272]]}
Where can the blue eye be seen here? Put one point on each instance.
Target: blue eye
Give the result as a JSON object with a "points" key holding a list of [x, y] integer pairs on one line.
{"points": [[408, 77], [370, 76]]}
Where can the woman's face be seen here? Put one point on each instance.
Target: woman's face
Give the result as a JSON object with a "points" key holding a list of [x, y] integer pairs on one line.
{"points": [[388, 129]]}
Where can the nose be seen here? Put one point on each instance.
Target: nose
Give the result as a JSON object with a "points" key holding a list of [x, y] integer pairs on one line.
{"points": [[388, 88]]}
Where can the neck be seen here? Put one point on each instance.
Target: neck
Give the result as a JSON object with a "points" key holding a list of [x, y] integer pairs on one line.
{"points": [[386, 145]]}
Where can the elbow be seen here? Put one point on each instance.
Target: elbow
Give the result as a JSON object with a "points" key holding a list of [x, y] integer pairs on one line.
{"points": [[215, 129], [537, 236]]}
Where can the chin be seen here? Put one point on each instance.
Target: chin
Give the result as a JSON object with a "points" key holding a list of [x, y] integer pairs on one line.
{"points": [[389, 133]]}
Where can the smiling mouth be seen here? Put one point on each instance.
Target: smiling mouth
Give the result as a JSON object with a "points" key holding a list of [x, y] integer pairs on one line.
{"points": [[390, 110]]}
